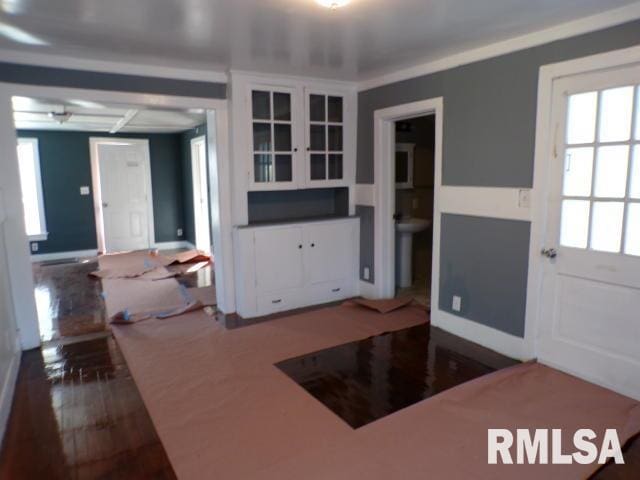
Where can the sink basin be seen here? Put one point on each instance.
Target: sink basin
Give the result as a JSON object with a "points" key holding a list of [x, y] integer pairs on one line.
{"points": [[405, 228], [412, 225]]}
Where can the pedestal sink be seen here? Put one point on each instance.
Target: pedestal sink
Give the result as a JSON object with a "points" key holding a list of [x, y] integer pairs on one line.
{"points": [[405, 228]]}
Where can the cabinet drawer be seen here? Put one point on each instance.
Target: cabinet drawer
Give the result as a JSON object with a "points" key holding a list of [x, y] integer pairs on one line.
{"points": [[329, 292], [277, 302]]}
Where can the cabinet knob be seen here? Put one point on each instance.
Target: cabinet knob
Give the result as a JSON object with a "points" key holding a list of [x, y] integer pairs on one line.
{"points": [[308, 149], [295, 149], [313, 245], [300, 246]]}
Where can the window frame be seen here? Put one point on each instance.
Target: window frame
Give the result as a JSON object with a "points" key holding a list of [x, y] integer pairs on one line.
{"points": [[43, 235]]}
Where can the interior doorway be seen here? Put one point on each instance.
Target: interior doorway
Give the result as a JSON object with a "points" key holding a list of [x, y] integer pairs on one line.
{"points": [[200, 194], [122, 194], [385, 208], [414, 198]]}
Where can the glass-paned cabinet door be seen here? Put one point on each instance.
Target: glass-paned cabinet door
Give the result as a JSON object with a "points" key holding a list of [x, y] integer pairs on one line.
{"points": [[325, 131], [272, 136]]}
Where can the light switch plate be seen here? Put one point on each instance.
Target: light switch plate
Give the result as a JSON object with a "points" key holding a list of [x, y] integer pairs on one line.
{"points": [[366, 274], [179, 232], [34, 246], [524, 198], [84, 190], [456, 304]]}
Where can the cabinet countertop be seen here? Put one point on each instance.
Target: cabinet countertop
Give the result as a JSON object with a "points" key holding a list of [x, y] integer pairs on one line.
{"points": [[330, 218]]}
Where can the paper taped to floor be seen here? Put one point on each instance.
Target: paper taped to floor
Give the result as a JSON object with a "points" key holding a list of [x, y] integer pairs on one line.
{"points": [[224, 411]]}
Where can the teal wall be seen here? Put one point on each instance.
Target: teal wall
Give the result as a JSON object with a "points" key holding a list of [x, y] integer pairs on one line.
{"points": [[66, 166]]}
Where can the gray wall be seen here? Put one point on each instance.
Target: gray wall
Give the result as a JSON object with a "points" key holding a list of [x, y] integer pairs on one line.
{"points": [[290, 205], [489, 132], [63, 77], [485, 262], [489, 110]]}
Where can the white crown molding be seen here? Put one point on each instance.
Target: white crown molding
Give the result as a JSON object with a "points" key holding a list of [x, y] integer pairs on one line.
{"points": [[104, 66], [283, 78], [573, 28]]}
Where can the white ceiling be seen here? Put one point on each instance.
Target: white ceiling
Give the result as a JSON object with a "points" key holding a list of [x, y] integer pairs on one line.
{"points": [[79, 115], [367, 38]]}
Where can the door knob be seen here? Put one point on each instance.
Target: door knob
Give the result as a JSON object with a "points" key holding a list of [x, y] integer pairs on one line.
{"points": [[549, 252], [105, 204]]}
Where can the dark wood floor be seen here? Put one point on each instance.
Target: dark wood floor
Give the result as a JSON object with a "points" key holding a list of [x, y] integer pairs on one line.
{"points": [[77, 413], [367, 380]]}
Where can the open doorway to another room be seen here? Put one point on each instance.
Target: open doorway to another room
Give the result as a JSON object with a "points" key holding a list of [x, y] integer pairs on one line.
{"points": [[201, 219], [99, 178], [414, 206]]}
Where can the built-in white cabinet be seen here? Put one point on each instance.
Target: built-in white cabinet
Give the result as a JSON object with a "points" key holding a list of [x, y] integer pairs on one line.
{"points": [[287, 266], [294, 133]]}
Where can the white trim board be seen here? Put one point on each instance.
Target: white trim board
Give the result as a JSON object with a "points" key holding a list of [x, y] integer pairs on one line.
{"points": [[204, 74], [573, 28], [8, 389], [494, 202], [175, 245], [488, 337], [45, 257]]}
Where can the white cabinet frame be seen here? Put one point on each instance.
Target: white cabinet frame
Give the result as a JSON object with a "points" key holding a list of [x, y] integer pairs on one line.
{"points": [[242, 137]]}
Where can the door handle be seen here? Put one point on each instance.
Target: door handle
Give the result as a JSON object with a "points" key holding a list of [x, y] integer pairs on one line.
{"points": [[276, 301], [105, 204], [549, 252]]}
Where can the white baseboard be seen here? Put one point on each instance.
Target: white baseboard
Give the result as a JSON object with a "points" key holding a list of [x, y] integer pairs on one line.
{"points": [[504, 343], [8, 389], [45, 257], [174, 245]]}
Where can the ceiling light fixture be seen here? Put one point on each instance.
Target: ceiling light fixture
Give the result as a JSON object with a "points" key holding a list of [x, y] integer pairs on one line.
{"points": [[332, 4]]}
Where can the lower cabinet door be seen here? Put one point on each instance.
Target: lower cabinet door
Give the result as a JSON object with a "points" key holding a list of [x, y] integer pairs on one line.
{"points": [[278, 254], [328, 255]]}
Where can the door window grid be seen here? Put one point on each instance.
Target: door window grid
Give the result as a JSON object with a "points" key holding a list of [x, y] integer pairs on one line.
{"points": [[326, 138], [601, 175], [272, 124]]}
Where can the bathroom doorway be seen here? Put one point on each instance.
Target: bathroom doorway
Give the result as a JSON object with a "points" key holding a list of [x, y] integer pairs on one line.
{"points": [[414, 206]]}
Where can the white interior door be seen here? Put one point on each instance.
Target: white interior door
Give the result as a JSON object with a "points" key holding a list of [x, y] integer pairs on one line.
{"points": [[200, 194], [125, 194], [589, 318]]}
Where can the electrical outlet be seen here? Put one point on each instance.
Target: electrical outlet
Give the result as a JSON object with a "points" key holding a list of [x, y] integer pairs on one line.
{"points": [[456, 304], [179, 232], [84, 190], [34, 246], [366, 274]]}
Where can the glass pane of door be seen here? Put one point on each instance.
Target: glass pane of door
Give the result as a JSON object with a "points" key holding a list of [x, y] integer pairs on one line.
{"points": [[334, 107], [262, 168], [335, 138], [281, 106], [335, 166], [282, 137], [317, 108], [261, 105], [261, 137], [284, 172], [318, 166]]}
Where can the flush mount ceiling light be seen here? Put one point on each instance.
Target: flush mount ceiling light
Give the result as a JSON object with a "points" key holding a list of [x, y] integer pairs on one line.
{"points": [[332, 4]]}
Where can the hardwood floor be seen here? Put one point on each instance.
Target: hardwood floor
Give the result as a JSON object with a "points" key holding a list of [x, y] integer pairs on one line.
{"points": [[367, 380], [77, 413]]}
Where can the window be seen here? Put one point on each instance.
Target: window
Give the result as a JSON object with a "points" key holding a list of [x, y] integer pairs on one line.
{"points": [[601, 183], [31, 185]]}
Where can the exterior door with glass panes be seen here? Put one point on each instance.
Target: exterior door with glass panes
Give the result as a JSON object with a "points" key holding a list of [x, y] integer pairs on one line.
{"points": [[273, 150], [325, 143], [590, 309]]}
